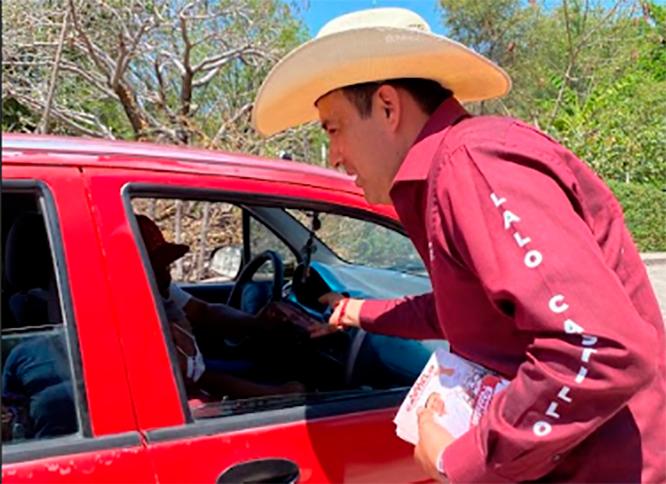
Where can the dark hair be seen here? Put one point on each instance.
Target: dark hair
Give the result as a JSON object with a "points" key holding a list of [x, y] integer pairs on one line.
{"points": [[428, 94]]}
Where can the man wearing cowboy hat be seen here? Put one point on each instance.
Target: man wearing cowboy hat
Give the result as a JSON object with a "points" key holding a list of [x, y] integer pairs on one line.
{"points": [[533, 271]]}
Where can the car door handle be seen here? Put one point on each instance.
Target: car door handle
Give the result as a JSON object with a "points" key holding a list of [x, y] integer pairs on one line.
{"points": [[261, 470]]}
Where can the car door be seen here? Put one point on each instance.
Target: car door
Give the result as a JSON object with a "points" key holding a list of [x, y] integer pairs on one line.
{"points": [[67, 409], [341, 436]]}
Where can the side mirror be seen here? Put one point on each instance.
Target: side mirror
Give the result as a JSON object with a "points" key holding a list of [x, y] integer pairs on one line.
{"points": [[226, 261]]}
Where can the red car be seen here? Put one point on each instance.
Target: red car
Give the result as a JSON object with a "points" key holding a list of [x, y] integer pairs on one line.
{"points": [[92, 390]]}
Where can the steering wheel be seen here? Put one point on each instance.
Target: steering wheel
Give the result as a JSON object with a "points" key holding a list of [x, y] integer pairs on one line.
{"points": [[248, 272]]}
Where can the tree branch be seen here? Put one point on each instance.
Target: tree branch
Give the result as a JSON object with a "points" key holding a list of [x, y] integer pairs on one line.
{"points": [[43, 126]]}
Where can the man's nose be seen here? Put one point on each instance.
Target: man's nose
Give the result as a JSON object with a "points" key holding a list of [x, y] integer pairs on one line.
{"points": [[334, 157]]}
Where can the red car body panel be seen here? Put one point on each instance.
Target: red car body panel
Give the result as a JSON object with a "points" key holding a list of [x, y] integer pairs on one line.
{"points": [[322, 448], [123, 464], [130, 384]]}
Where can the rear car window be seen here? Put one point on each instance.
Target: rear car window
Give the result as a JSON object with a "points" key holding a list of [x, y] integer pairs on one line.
{"points": [[39, 400]]}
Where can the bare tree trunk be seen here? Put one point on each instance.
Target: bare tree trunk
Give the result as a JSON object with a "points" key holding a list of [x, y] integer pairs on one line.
{"points": [[142, 69], [129, 104], [44, 123], [177, 234], [202, 242]]}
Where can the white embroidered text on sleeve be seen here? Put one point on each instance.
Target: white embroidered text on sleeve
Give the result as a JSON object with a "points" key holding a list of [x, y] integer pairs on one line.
{"points": [[557, 305]]}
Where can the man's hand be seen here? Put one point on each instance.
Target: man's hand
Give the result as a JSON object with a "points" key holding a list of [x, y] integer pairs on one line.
{"points": [[346, 311], [331, 298], [7, 419], [433, 439], [7, 415], [322, 329], [271, 316]]}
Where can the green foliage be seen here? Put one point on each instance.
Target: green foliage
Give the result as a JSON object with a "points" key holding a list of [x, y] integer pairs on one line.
{"points": [[644, 212], [16, 117]]}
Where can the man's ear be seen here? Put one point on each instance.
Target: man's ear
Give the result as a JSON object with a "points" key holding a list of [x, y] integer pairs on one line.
{"points": [[388, 102]]}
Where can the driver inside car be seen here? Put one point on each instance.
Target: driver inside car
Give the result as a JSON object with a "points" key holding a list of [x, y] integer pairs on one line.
{"points": [[185, 313]]}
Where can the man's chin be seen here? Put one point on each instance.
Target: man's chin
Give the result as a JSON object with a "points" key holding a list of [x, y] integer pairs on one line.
{"points": [[377, 199]]}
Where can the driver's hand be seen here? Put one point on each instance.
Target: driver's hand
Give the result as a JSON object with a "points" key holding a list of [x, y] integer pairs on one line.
{"points": [[346, 310], [279, 314], [7, 415], [318, 330], [271, 316], [331, 298]]}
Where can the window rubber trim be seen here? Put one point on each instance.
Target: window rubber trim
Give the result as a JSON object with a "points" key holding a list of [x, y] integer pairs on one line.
{"points": [[31, 450], [355, 403]]}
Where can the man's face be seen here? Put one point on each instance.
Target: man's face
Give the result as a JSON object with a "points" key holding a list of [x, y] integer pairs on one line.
{"points": [[364, 147]]}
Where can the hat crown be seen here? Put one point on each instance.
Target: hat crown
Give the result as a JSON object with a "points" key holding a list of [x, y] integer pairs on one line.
{"points": [[389, 17], [151, 233], [370, 45]]}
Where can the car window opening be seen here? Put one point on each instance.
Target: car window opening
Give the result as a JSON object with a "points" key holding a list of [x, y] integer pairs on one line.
{"points": [[239, 323], [38, 397]]}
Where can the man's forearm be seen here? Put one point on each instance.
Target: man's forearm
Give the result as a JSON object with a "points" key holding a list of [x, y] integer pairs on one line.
{"points": [[411, 317], [235, 322]]}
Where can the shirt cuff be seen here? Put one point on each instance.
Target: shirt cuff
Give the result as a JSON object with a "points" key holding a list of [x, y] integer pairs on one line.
{"points": [[370, 310], [463, 461]]}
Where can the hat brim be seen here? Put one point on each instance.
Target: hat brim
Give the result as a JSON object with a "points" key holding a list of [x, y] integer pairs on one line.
{"points": [[168, 253], [288, 94]]}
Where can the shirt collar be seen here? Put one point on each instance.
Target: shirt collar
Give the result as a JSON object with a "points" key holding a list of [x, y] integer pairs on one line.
{"points": [[416, 163]]}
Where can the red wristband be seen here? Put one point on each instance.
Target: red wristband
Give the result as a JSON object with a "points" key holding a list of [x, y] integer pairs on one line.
{"points": [[343, 308]]}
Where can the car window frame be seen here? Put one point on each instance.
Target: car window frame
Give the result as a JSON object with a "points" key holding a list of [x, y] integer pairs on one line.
{"points": [[83, 440], [246, 200], [354, 402]]}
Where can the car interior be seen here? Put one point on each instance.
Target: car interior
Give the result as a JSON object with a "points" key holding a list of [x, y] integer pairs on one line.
{"points": [[294, 266], [281, 252]]}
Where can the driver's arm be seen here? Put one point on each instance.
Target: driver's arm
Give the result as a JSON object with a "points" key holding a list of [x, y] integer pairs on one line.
{"points": [[235, 322]]}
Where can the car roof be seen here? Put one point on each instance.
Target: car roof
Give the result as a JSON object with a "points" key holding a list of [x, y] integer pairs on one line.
{"points": [[63, 150]]}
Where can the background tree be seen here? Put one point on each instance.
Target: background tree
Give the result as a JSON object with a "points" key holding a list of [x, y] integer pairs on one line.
{"points": [[174, 72], [589, 72]]}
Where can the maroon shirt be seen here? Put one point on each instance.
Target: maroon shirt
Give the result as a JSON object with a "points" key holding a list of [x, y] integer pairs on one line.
{"points": [[535, 276]]}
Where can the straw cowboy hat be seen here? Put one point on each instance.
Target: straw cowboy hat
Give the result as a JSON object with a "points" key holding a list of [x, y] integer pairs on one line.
{"points": [[364, 46]]}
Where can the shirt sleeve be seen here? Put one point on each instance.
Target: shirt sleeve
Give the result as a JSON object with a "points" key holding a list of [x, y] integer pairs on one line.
{"points": [[10, 381], [178, 295], [412, 317], [514, 226]]}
